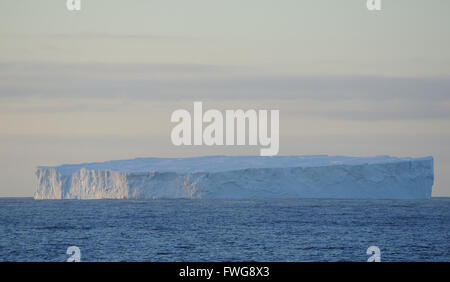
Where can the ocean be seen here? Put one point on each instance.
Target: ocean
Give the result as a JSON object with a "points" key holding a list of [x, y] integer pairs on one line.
{"points": [[224, 230]]}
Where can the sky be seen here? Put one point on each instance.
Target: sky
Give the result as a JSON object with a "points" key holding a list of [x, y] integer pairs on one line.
{"points": [[101, 83]]}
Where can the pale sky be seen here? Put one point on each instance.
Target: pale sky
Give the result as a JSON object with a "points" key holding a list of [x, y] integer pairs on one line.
{"points": [[101, 83]]}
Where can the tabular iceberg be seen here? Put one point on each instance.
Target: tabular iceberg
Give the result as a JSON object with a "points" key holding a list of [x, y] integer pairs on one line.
{"points": [[234, 177]]}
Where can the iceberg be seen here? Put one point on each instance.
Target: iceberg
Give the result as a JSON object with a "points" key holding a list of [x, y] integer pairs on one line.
{"points": [[240, 177]]}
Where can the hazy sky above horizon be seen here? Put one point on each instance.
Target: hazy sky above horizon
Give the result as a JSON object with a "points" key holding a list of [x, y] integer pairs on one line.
{"points": [[101, 83]]}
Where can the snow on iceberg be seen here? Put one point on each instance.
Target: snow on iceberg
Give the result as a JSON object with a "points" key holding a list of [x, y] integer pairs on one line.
{"points": [[234, 177]]}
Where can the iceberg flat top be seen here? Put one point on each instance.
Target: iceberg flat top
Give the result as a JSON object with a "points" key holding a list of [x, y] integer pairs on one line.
{"points": [[224, 163]]}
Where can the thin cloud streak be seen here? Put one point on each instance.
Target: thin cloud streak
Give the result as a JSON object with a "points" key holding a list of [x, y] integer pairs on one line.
{"points": [[174, 82]]}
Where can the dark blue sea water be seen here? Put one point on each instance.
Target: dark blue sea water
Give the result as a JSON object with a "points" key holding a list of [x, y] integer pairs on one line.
{"points": [[224, 230]]}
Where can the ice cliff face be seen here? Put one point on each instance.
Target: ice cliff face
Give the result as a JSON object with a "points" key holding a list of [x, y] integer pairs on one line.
{"points": [[241, 177]]}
